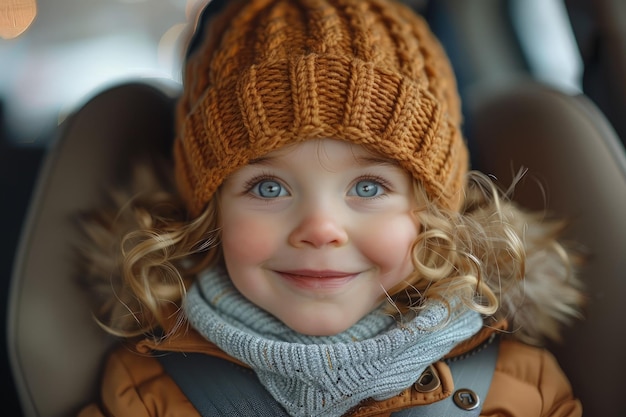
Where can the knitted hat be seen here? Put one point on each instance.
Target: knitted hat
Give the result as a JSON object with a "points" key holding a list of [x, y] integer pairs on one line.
{"points": [[271, 73]]}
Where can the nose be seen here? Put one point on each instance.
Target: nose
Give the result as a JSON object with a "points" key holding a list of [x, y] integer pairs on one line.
{"points": [[318, 228]]}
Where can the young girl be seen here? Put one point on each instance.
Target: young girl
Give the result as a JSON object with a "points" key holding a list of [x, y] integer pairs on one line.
{"points": [[325, 231]]}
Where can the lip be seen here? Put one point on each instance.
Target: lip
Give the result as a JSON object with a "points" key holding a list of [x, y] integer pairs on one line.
{"points": [[318, 280]]}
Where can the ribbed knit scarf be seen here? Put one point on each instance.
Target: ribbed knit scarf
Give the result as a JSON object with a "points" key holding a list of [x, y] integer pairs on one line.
{"points": [[324, 376]]}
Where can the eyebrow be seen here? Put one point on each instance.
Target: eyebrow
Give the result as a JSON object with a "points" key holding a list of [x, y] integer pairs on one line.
{"points": [[261, 160], [375, 160]]}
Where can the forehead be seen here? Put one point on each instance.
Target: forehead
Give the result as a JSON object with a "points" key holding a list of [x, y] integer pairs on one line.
{"points": [[326, 150]]}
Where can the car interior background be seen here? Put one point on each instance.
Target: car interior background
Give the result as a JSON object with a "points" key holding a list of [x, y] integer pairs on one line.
{"points": [[518, 62]]}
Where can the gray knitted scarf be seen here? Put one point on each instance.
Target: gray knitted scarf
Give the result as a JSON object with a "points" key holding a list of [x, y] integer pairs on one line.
{"points": [[324, 376]]}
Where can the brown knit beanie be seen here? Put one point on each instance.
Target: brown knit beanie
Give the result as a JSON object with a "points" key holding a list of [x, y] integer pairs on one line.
{"points": [[270, 73]]}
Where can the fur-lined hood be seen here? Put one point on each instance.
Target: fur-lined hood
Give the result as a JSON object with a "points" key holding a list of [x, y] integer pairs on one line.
{"points": [[550, 294], [536, 307]]}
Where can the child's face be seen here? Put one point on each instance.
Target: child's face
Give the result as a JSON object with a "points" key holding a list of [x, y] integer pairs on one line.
{"points": [[317, 232]]}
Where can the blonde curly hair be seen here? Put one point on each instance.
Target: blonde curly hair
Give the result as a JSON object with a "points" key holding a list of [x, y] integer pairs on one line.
{"points": [[143, 253]]}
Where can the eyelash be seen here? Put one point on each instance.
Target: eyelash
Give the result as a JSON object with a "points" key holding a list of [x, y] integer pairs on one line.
{"points": [[375, 178], [254, 181]]}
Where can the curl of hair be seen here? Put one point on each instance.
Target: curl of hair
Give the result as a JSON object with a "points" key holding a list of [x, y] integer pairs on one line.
{"points": [[143, 253], [496, 258]]}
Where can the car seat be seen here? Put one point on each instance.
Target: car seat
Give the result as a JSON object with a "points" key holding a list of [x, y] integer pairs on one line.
{"points": [[56, 349], [576, 169]]}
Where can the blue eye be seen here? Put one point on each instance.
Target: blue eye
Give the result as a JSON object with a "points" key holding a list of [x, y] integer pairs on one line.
{"points": [[269, 189], [367, 189]]}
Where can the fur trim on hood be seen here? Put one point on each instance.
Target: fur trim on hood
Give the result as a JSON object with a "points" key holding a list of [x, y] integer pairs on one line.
{"points": [[536, 307], [550, 294]]}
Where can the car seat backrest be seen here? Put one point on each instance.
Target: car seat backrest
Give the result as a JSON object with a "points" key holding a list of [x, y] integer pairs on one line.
{"points": [[576, 169], [55, 347]]}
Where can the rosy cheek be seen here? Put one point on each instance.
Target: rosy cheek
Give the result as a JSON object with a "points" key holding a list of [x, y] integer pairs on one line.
{"points": [[244, 240], [391, 246]]}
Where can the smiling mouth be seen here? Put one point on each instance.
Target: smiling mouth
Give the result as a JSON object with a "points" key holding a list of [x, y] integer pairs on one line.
{"points": [[318, 280]]}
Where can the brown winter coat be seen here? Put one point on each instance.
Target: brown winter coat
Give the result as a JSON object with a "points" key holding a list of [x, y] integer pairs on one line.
{"points": [[527, 382]]}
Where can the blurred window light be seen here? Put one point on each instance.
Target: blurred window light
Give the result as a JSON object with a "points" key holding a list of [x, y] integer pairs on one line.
{"points": [[548, 42], [75, 48], [72, 73]]}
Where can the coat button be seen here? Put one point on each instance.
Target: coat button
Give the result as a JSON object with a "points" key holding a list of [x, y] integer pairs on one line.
{"points": [[466, 399], [428, 381]]}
